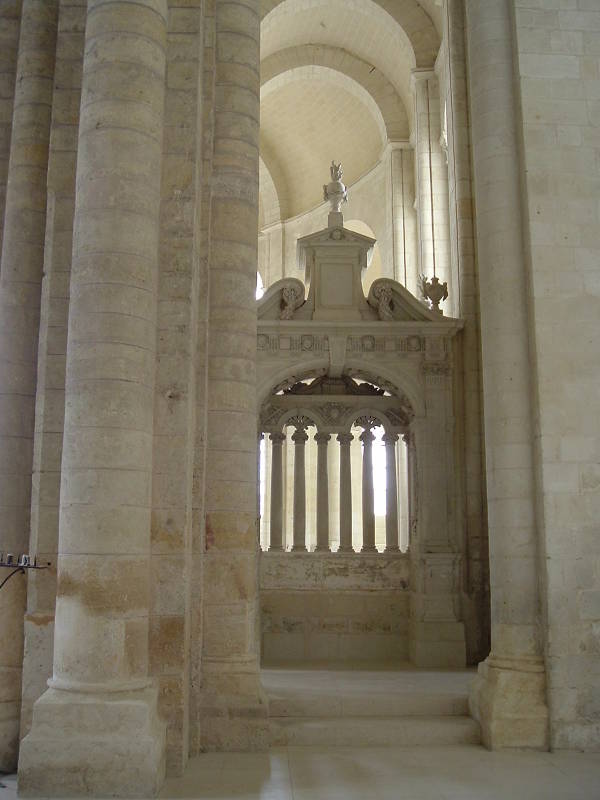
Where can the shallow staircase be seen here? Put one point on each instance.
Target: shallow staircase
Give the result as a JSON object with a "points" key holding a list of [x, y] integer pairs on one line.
{"points": [[369, 707]]}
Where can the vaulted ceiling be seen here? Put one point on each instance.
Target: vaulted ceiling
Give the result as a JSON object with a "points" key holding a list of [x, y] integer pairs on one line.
{"points": [[335, 84]]}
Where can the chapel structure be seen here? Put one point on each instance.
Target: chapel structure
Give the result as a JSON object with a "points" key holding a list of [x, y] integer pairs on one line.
{"points": [[392, 455]]}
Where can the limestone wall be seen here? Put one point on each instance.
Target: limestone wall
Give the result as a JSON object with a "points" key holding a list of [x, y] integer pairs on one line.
{"points": [[334, 607], [557, 54]]}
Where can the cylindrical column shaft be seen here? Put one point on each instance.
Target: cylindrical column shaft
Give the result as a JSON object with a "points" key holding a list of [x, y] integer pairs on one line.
{"points": [[104, 536], [431, 178], [276, 521], [345, 493], [10, 20], [20, 291], [406, 266], [103, 583], [322, 492], [368, 500], [231, 652], [516, 658], [299, 438], [391, 493]]}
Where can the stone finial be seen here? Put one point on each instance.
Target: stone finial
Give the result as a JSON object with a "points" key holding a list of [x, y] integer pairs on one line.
{"points": [[335, 191], [434, 292]]}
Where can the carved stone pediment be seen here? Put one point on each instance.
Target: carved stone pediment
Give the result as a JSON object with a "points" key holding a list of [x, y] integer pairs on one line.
{"points": [[394, 303], [281, 300]]}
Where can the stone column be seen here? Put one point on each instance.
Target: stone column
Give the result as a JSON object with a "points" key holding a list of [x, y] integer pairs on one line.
{"points": [[345, 493], [322, 492], [431, 179], [299, 438], [402, 166], [508, 696], [391, 494], [20, 292], [277, 440], [10, 20], [233, 711], [368, 502], [96, 729]]}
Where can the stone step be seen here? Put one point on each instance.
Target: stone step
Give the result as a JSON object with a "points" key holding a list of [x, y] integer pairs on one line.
{"points": [[368, 704], [374, 731]]}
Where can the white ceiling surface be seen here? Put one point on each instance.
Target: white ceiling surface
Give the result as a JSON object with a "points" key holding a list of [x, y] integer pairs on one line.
{"points": [[346, 103], [307, 122]]}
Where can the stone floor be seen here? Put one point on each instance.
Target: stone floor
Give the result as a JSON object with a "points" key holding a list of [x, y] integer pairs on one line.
{"points": [[400, 697], [387, 773]]}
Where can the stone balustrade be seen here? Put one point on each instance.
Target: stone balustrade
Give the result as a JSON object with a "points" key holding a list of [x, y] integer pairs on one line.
{"points": [[307, 484]]}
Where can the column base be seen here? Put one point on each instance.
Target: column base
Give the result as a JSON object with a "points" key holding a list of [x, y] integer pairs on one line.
{"points": [[234, 710], [438, 644], [508, 699], [368, 548], [100, 744], [9, 736], [299, 548]]}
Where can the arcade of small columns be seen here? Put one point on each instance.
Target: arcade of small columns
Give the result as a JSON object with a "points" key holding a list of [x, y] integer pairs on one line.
{"points": [[343, 484]]}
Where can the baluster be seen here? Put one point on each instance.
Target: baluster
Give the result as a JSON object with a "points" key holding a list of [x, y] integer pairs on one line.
{"points": [[276, 538], [322, 440], [299, 438], [345, 493], [391, 493], [368, 503]]}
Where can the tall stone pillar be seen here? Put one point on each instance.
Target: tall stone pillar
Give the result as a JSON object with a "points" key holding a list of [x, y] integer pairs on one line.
{"points": [[322, 440], [431, 179], [299, 438], [20, 292], [345, 493], [96, 729], [233, 711], [406, 262], [10, 21], [508, 696], [276, 518], [368, 500], [391, 494]]}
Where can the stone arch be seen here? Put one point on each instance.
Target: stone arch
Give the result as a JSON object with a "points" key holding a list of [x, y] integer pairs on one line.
{"points": [[397, 377], [275, 173], [417, 27], [371, 79], [269, 205], [311, 413], [314, 71]]}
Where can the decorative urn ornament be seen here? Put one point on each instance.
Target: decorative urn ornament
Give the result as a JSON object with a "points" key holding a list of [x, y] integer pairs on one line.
{"points": [[434, 292]]}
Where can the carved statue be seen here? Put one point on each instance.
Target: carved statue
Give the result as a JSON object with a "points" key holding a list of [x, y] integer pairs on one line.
{"points": [[434, 291], [289, 302], [336, 171], [335, 192]]}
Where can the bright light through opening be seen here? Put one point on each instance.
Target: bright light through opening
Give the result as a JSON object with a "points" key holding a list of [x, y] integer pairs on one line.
{"points": [[379, 474], [260, 289]]}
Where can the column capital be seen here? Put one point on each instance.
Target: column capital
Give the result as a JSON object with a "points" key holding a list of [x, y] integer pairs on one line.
{"points": [[390, 438], [300, 436], [322, 438], [277, 438], [344, 438], [367, 436], [420, 75]]}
